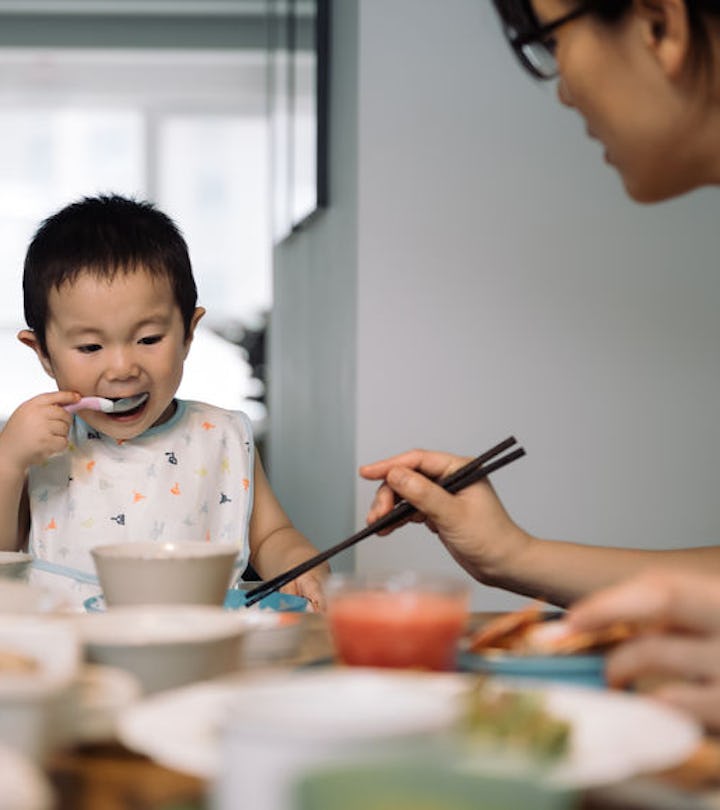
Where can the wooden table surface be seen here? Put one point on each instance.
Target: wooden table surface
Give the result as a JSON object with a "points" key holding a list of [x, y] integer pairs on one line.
{"points": [[109, 777]]}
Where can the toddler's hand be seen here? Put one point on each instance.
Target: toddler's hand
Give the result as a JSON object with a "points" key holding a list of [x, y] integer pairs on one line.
{"points": [[310, 586], [37, 430]]}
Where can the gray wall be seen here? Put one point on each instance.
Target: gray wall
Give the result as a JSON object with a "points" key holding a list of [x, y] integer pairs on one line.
{"points": [[496, 280], [312, 335]]}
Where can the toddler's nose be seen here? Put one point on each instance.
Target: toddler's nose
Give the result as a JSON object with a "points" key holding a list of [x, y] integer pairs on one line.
{"points": [[122, 365]]}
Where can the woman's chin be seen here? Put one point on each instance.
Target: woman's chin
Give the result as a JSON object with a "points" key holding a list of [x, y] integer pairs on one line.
{"points": [[647, 193], [656, 187]]}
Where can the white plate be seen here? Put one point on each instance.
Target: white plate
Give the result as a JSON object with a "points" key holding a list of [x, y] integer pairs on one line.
{"points": [[615, 735], [183, 729]]}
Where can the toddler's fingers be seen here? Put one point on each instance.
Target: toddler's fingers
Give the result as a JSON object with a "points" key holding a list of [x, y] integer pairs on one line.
{"points": [[316, 597], [56, 398], [67, 397]]}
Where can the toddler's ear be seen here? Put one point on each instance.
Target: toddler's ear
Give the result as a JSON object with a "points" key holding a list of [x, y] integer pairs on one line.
{"points": [[194, 321], [29, 338]]}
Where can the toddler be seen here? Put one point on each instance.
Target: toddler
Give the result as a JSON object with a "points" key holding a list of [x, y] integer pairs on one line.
{"points": [[110, 304]]}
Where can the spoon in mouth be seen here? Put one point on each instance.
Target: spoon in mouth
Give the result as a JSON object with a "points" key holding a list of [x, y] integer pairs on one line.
{"points": [[107, 405]]}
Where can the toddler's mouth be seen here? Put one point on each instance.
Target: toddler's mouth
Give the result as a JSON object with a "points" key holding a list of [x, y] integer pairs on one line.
{"points": [[126, 406]]}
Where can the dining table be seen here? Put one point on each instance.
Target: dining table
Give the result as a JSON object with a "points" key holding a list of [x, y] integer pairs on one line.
{"points": [[108, 776]]}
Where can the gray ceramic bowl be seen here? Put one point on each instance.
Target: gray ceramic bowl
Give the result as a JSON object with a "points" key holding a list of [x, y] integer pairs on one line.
{"points": [[165, 573], [14, 564], [164, 646]]}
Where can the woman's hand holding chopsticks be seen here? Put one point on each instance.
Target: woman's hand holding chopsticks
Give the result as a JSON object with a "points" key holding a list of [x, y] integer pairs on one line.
{"points": [[464, 476], [473, 524]]}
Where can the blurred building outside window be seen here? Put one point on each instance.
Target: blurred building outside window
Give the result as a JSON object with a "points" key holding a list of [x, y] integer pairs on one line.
{"points": [[185, 129]]}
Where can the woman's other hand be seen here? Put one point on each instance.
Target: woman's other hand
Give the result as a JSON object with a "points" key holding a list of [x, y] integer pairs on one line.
{"points": [[678, 658]]}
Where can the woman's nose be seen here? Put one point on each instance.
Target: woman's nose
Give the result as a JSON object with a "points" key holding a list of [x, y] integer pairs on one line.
{"points": [[563, 93]]}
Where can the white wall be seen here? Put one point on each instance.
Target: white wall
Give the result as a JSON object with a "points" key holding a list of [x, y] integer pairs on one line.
{"points": [[506, 285]]}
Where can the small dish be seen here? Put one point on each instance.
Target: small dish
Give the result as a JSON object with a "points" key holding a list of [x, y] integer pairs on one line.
{"points": [[582, 670], [14, 564]]}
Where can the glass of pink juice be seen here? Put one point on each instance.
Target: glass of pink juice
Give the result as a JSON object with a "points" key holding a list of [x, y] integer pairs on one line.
{"points": [[405, 620]]}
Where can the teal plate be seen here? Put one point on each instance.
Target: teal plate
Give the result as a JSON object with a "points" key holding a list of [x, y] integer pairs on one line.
{"points": [[283, 602], [234, 600], [582, 670]]}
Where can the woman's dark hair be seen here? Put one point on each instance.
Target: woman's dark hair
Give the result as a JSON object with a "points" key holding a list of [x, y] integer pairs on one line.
{"points": [[520, 14], [104, 236], [702, 52]]}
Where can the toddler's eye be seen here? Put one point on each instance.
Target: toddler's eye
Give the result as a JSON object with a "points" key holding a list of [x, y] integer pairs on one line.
{"points": [[89, 348], [150, 340]]}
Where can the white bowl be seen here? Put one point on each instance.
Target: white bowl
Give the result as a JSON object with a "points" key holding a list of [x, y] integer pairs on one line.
{"points": [[20, 597], [32, 715], [14, 564], [164, 646], [165, 573]]}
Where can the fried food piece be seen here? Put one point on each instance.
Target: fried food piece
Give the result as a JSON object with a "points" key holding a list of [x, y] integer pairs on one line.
{"points": [[12, 662], [504, 632], [556, 638], [526, 633]]}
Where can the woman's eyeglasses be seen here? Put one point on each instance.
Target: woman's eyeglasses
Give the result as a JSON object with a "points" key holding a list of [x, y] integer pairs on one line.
{"points": [[534, 44]]}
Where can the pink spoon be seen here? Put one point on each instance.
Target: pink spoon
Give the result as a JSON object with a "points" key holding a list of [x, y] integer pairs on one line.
{"points": [[107, 405]]}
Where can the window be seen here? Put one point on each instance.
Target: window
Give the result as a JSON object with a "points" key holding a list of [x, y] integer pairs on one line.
{"points": [[185, 128]]}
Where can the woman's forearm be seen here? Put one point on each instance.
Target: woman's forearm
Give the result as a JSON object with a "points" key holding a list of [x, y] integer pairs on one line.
{"points": [[561, 572]]}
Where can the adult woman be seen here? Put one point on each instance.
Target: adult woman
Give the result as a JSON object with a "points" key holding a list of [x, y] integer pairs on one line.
{"points": [[645, 76]]}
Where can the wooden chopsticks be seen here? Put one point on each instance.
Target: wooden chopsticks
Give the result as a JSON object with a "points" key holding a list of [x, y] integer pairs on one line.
{"points": [[473, 471]]}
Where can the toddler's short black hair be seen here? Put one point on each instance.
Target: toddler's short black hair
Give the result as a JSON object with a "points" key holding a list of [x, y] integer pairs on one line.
{"points": [[105, 235]]}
